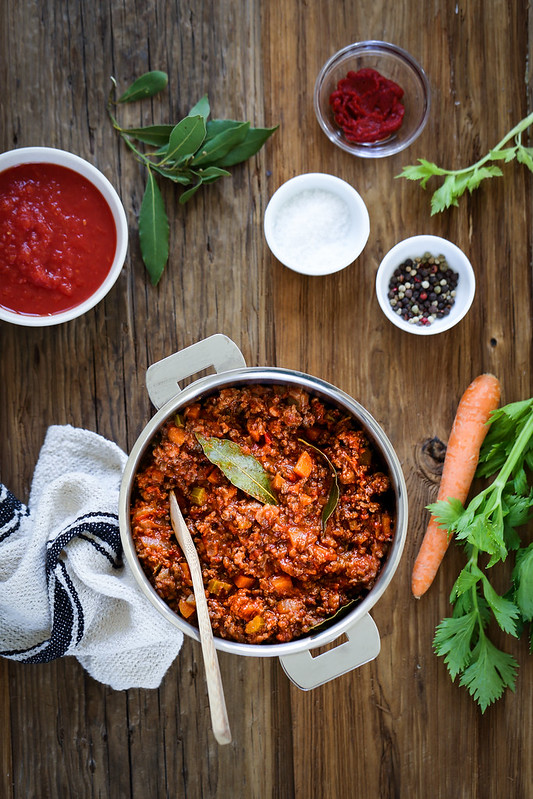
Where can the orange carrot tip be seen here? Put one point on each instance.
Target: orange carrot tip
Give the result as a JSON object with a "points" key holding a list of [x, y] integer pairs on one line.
{"points": [[469, 429]]}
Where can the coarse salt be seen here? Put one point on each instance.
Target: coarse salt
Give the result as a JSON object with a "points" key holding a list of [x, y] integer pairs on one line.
{"points": [[313, 228]]}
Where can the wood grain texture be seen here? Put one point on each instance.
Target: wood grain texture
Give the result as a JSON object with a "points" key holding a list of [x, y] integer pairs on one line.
{"points": [[397, 727]]}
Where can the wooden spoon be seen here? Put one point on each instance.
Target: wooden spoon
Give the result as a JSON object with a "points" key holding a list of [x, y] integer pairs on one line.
{"points": [[217, 703]]}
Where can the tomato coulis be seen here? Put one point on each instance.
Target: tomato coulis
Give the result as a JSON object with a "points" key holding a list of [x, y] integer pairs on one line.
{"points": [[57, 239]]}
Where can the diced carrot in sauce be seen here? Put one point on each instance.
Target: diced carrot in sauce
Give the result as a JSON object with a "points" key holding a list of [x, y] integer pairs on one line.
{"points": [[177, 435], [193, 411], [278, 482], [298, 538], [186, 608], [304, 465], [281, 583], [255, 625], [242, 581], [214, 476]]}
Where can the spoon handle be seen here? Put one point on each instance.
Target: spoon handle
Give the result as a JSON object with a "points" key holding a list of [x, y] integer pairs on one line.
{"points": [[217, 703]]}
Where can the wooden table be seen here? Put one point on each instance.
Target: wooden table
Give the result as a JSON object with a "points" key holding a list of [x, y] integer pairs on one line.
{"points": [[397, 726]]}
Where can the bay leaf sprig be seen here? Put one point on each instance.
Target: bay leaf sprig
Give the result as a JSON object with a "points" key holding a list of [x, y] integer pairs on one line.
{"points": [[242, 470], [194, 152], [333, 496], [457, 181]]}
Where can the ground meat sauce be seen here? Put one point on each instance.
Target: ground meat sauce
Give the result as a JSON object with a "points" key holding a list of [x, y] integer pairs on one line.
{"points": [[272, 572]]}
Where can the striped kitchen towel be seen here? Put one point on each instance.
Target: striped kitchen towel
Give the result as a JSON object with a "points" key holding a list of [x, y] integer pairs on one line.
{"points": [[64, 588]]}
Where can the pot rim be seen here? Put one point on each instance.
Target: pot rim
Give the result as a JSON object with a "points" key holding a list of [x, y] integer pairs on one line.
{"points": [[268, 376]]}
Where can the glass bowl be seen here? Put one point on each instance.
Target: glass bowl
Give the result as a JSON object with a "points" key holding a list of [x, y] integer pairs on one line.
{"points": [[393, 63], [416, 247]]}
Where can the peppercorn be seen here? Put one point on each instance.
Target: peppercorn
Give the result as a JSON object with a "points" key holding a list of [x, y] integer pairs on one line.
{"points": [[423, 289]]}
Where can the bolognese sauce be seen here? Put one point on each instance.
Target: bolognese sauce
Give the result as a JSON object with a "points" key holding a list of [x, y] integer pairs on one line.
{"points": [[272, 572]]}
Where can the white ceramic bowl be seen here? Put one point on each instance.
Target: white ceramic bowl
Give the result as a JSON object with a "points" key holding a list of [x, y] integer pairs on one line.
{"points": [[417, 246], [316, 224], [50, 155]]}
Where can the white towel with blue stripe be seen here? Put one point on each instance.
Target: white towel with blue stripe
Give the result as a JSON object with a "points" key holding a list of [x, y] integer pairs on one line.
{"points": [[64, 587]]}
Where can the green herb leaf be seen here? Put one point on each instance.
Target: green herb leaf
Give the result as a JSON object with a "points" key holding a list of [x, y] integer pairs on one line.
{"points": [[452, 641], [242, 470], [458, 180], [252, 143], [489, 673], [490, 524], [186, 137], [333, 496], [156, 135], [201, 108], [153, 230], [146, 86], [216, 148], [523, 581], [186, 195], [212, 173]]}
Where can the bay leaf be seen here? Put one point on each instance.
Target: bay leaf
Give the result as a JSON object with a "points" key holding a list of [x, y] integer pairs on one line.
{"points": [[252, 143], [156, 135], [182, 176], [186, 137], [201, 108], [216, 126], [327, 622], [242, 470], [186, 195], [212, 173], [220, 145], [333, 496], [153, 230], [146, 86]]}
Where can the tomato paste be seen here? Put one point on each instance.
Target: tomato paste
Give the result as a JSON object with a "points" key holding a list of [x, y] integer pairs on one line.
{"points": [[366, 106], [57, 239]]}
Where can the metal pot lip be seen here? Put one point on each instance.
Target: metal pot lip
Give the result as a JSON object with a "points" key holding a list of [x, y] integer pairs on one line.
{"points": [[268, 375]]}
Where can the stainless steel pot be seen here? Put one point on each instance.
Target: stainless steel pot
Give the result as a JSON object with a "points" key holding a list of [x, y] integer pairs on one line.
{"points": [[162, 380]]}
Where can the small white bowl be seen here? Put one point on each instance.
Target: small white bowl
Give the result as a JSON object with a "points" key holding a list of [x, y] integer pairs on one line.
{"points": [[50, 155], [416, 247], [316, 224]]}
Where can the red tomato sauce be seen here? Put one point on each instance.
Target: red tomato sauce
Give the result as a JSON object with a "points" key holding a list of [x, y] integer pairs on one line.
{"points": [[57, 239], [366, 106]]}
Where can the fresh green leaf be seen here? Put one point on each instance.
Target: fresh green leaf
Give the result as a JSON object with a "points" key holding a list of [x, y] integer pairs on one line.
{"points": [[201, 108], [453, 641], [216, 148], [446, 512], [242, 470], [252, 143], [146, 86], [524, 156], [156, 135], [186, 137], [489, 673], [212, 173], [216, 126], [505, 612], [467, 579], [153, 230], [523, 581], [458, 180], [186, 195]]}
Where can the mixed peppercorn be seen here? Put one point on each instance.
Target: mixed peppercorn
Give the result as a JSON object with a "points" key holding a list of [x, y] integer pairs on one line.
{"points": [[423, 289]]}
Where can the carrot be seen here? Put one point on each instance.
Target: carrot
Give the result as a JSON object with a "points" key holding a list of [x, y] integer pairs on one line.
{"points": [[304, 466], [468, 431]]}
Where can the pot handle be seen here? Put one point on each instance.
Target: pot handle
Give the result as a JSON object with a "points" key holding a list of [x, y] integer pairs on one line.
{"points": [[218, 351], [362, 646]]}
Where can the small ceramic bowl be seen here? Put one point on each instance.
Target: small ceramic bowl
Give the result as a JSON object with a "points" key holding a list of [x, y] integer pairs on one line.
{"points": [[393, 63], [316, 224], [50, 155], [417, 247]]}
